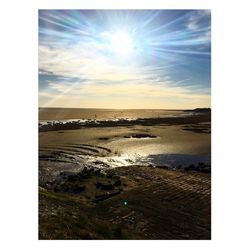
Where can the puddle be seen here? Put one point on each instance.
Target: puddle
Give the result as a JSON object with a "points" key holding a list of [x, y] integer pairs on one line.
{"points": [[175, 160]]}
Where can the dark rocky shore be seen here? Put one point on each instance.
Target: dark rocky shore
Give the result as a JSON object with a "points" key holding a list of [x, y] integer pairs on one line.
{"points": [[197, 117], [126, 203]]}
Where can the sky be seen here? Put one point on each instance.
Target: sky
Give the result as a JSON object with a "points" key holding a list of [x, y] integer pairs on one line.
{"points": [[149, 59]]}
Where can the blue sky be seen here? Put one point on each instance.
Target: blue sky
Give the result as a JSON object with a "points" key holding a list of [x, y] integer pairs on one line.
{"points": [[124, 58]]}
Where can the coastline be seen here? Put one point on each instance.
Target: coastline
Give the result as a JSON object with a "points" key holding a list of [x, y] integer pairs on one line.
{"points": [[191, 118], [123, 178]]}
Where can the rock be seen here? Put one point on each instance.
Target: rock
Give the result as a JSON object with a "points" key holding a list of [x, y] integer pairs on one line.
{"points": [[116, 177], [179, 167], [191, 167], [72, 177], [139, 136], [98, 185], [117, 183], [110, 175], [104, 186], [78, 190], [101, 197], [84, 174], [97, 172], [105, 196], [91, 170]]}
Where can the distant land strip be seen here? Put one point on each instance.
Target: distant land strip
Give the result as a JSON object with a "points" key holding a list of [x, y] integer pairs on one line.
{"points": [[197, 117]]}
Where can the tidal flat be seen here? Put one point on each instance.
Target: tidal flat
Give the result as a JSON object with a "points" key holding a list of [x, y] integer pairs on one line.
{"points": [[124, 174]]}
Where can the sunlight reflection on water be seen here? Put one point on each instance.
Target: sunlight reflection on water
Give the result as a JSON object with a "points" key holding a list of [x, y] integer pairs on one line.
{"points": [[169, 160]]}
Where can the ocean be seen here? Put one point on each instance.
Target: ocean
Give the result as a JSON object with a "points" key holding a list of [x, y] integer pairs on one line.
{"points": [[105, 114]]}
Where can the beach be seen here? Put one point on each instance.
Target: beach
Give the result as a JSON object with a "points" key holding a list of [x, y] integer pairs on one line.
{"points": [[136, 174]]}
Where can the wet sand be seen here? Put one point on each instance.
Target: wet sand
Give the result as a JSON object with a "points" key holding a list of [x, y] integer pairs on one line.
{"points": [[132, 182]]}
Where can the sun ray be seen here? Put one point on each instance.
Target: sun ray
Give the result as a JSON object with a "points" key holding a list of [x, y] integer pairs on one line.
{"points": [[125, 45]]}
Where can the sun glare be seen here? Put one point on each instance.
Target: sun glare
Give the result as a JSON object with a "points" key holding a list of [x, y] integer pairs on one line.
{"points": [[121, 43]]}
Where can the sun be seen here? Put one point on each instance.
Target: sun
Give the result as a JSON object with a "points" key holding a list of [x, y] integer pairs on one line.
{"points": [[121, 43]]}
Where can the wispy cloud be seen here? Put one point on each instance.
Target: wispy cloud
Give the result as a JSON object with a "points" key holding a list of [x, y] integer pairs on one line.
{"points": [[85, 61], [196, 21], [80, 70], [167, 96]]}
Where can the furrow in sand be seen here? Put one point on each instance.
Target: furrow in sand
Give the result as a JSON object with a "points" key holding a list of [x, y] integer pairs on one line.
{"points": [[69, 149], [99, 147], [67, 152], [96, 149]]}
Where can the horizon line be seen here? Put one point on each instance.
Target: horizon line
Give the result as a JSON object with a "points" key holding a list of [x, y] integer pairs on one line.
{"points": [[127, 108]]}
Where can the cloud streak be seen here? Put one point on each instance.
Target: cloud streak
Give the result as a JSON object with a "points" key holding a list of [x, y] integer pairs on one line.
{"points": [[147, 95], [78, 68]]}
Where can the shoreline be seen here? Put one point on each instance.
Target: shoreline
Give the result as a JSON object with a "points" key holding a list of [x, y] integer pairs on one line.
{"points": [[78, 124], [148, 178]]}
